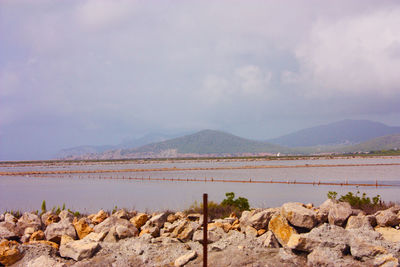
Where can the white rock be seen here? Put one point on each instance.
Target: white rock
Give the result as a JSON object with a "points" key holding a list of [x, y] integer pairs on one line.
{"points": [[182, 260], [79, 250]]}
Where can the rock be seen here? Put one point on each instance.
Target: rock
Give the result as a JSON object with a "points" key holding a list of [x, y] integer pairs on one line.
{"points": [[96, 237], [221, 224], [182, 260], [44, 242], [2, 217], [122, 214], [154, 231], [8, 217], [159, 219], [49, 218], [257, 219], [322, 256], [298, 215], [38, 235], [269, 240], [29, 220], [112, 236], [65, 239], [361, 221], [54, 231], [184, 231], [139, 220], [45, 260], [124, 232], [261, 232], [66, 215], [8, 230], [79, 250], [172, 218], [387, 260], [194, 217], [281, 229], [111, 222], [250, 232], [387, 218], [10, 252], [339, 213], [99, 217], [389, 233], [330, 236], [362, 250], [211, 236], [82, 227]]}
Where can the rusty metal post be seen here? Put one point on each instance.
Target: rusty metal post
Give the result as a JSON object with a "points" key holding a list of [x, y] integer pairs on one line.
{"points": [[205, 225]]}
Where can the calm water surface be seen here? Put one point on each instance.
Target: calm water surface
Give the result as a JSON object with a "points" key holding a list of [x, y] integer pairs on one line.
{"points": [[88, 193]]}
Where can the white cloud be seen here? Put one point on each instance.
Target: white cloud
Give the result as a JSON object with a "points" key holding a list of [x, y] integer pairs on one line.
{"points": [[252, 80], [353, 55]]}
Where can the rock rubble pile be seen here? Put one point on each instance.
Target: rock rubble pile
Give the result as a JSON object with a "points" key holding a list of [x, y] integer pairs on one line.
{"points": [[295, 234]]}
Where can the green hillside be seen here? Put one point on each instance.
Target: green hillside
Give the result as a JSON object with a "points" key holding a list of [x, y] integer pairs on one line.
{"points": [[210, 142], [386, 142]]}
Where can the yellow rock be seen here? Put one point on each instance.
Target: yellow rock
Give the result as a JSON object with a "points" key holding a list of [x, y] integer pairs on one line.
{"points": [[281, 229], [389, 233], [65, 239], [99, 217], [172, 218], [9, 252], [52, 219], [45, 242], [38, 235], [261, 232], [82, 228], [224, 226], [139, 220], [145, 231]]}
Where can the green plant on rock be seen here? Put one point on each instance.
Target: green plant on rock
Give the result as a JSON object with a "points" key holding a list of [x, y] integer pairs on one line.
{"points": [[241, 203], [360, 201], [332, 195], [44, 209]]}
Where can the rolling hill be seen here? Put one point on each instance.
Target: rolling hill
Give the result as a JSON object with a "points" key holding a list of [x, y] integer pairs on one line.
{"points": [[208, 142], [387, 142], [345, 132]]}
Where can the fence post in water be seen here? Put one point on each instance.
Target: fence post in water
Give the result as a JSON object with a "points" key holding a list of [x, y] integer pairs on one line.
{"points": [[205, 224]]}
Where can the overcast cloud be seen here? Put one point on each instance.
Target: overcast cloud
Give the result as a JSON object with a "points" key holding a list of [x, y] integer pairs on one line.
{"points": [[97, 72]]}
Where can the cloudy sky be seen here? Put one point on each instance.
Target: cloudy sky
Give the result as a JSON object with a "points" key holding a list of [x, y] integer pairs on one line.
{"points": [[99, 72]]}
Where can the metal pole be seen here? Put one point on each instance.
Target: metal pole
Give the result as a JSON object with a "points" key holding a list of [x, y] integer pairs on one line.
{"points": [[205, 224]]}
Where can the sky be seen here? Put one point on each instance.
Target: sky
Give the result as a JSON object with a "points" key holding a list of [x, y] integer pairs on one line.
{"points": [[96, 72]]}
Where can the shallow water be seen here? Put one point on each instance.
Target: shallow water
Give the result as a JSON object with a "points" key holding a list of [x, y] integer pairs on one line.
{"points": [[88, 193]]}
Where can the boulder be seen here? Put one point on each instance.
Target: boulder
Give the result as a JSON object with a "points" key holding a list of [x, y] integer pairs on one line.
{"points": [[257, 219], [29, 220], [2, 217], [66, 215], [281, 229], [10, 252], [182, 260], [159, 219], [298, 215], [172, 218], [327, 257], [122, 214], [99, 217], [184, 231], [339, 213], [66, 239], [8, 230], [38, 235], [362, 250], [8, 217], [44, 242], [82, 227], [96, 237], [268, 240], [250, 231], [44, 260], [389, 233], [112, 236], [211, 236], [124, 231], [387, 260], [361, 221], [329, 236], [139, 220], [111, 222], [49, 218], [54, 231], [79, 250], [221, 224], [387, 218]]}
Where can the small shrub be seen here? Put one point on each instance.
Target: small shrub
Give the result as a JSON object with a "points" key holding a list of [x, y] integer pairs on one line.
{"points": [[44, 209], [362, 202], [332, 195]]}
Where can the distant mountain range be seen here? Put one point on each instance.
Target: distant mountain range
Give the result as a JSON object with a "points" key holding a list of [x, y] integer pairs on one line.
{"points": [[345, 132], [339, 137]]}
